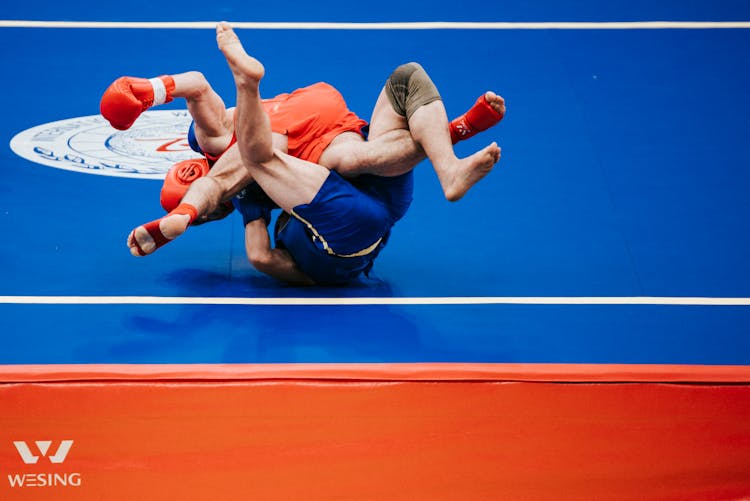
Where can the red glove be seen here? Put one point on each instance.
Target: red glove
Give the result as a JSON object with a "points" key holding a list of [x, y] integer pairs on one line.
{"points": [[128, 97]]}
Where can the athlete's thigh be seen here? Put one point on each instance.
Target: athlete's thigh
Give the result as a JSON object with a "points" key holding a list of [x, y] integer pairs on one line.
{"points": [[289, 181], [384, 118]]}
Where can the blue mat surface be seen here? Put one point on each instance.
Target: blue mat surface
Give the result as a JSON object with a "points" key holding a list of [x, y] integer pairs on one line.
{"points": [[624, 173]]}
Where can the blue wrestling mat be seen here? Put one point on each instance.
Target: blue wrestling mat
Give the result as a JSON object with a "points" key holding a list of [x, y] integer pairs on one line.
{"points": [[614, 229]]}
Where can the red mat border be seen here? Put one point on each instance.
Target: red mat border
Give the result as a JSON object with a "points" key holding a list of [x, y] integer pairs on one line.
{"points": [[562, 373]]}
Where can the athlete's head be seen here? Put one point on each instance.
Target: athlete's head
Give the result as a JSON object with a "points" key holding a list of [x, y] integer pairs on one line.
{"points": [[179, 178]]}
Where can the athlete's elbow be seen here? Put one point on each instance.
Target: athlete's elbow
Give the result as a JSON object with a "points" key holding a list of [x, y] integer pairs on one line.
{"points": [[198, 85], [260, 259]]}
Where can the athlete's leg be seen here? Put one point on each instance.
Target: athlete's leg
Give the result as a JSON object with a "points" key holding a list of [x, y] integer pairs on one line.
{"points": [[408, 123], [286, 180], [213, 122], [415, 104], [429, 128]]}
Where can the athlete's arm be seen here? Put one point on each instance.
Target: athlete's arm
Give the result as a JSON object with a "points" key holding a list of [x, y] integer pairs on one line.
{"points": [[276, 263]]}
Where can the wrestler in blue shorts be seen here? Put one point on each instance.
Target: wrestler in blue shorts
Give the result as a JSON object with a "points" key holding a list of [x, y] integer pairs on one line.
{"points": [[338, 235]]}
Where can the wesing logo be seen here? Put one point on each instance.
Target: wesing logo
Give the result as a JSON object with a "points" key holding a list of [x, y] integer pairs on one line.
{"points": [[44, 479], [43, 446]]}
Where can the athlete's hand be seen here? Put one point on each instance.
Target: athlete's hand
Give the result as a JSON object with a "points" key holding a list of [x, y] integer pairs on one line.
{"points": [[254, 204]]}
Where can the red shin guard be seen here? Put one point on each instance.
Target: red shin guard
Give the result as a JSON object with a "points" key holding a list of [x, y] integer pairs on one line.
{"points": [[479, 118]]}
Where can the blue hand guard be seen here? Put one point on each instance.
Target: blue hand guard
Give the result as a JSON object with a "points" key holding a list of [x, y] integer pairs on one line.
{"points": [[253, 204]]}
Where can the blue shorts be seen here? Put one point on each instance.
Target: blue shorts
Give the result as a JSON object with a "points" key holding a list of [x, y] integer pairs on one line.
{"points": [[337, 236]]}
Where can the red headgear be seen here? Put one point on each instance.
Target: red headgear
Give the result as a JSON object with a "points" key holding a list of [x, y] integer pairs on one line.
{"points": [[179, 178]]}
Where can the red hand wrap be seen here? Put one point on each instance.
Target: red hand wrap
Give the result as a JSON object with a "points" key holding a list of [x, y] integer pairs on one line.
{"points": [[154, 230], [186, 209]]}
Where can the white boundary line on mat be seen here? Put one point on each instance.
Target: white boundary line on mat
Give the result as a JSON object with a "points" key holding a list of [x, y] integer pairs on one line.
{"points": [[436, 25], [372, 301]]}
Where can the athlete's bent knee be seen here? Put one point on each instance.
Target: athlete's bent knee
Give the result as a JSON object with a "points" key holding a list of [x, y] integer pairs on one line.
{"points": [[409, 87]]}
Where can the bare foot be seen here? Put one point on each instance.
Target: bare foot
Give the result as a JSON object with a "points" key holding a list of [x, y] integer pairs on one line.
{"points": [[470, 170], [496, 102], [246, 69], [145, 239]]}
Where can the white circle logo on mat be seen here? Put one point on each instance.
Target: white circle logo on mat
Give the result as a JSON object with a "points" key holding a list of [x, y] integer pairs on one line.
{"points": [[147, 150]]}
